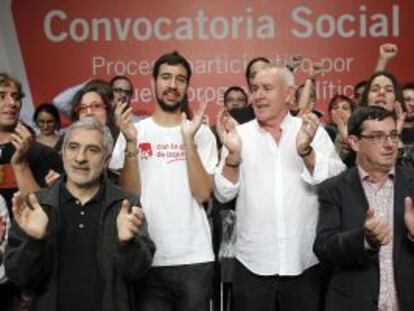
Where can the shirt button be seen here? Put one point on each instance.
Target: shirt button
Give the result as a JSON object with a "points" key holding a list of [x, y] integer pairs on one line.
{"points": [[81, 226], [82, 213], [77, 202]]}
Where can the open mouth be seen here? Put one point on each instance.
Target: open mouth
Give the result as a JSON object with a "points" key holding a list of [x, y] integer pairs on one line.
{"points": [[380, 102]]}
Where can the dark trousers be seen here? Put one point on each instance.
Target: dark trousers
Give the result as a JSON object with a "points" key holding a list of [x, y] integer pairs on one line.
{"points": [[176, 288], [253, 292], [9, 296]]}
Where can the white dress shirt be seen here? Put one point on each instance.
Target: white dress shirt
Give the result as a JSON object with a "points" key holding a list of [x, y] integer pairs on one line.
{"points": [[277, 207]]}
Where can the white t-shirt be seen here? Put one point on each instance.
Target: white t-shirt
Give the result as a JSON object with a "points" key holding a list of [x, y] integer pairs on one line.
{"points": [[176, 222], [277, 206]]}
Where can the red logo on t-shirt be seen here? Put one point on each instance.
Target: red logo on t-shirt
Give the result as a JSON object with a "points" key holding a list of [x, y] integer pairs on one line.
{"points": [[145, 151]]}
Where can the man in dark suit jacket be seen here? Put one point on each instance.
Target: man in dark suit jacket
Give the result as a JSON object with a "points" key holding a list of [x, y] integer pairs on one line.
{"points": [[354, 233]]}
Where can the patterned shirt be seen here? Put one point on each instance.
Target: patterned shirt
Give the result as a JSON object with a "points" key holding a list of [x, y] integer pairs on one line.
{"points": [[380, 197]]}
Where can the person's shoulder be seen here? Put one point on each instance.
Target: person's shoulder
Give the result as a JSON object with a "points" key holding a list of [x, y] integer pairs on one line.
{"points": [[144, 124], [49, 195], [42, 158], [39, 153], [38, 149], [407, 170], [247, 126], [205, 128], [116, 193], [346, 177], [204, 131], [249, 130]]}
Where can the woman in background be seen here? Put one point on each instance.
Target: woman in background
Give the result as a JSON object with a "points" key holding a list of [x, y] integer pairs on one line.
{"points": [[46, 117], [340, 108]]}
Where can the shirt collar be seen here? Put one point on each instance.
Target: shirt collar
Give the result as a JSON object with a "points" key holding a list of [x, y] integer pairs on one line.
{"points": [[364, 176], [67, 197]]}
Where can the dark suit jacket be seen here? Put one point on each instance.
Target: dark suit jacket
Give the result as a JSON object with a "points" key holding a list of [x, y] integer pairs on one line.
{"points": [[339, 242]]}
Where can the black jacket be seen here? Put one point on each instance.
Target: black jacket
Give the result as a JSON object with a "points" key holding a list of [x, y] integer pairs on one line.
{"points": [[32, 264], [340, 243]]}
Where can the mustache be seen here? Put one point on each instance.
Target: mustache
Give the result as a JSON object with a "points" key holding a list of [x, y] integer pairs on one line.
{"points": [[80, 167], [170, 90]]}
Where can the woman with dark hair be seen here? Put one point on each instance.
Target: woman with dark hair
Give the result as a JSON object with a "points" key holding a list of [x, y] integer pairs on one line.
{"points": [[340, 108], [95, 99], [384, 90], [47, 119]]}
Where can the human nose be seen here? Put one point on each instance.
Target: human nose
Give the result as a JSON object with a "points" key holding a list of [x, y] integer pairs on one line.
{"points": [[80, 156], [88, 110], [388, 140], [381, 90], [257, 94], [173, 83]]}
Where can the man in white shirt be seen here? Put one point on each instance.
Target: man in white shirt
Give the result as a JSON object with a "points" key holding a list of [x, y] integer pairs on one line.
{"points": [[273, 164], [176, 162]]}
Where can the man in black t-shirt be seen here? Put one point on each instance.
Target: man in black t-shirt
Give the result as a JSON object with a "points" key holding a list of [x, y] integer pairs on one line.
{"points": [[32, 160]]}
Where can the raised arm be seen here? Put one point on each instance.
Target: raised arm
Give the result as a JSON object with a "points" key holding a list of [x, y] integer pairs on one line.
{"points": [[387, 51], [135, 249], [201, 183], [129, 175], [28, 256], [22, 140], [226, 130], [305, 104]]}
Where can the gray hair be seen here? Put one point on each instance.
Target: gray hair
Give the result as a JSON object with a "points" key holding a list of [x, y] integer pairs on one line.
{"points": [[287, 76], [90, 123]]}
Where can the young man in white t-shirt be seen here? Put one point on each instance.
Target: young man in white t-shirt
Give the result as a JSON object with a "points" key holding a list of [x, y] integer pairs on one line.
{"points": [[176, 162]]}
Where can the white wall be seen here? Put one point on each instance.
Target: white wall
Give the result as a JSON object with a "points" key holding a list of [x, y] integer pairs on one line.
{"points": [[11, 60]]}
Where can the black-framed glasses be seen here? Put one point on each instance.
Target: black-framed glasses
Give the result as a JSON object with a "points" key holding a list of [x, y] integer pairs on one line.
{"points": [[123, 91], [378, 138]]}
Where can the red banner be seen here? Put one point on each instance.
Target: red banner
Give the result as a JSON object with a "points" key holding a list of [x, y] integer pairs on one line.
{"points": [[65, 42]]}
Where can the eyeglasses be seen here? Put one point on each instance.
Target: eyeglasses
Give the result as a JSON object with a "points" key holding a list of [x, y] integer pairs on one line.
{"points": [[92, 106], [379, 138], [123, 91]]}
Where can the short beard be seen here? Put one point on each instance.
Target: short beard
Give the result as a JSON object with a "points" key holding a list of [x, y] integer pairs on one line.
{"points": [[170, 108]]}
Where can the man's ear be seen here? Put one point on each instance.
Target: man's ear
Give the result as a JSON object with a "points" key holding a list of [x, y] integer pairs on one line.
{"points": [[354, 142]]}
